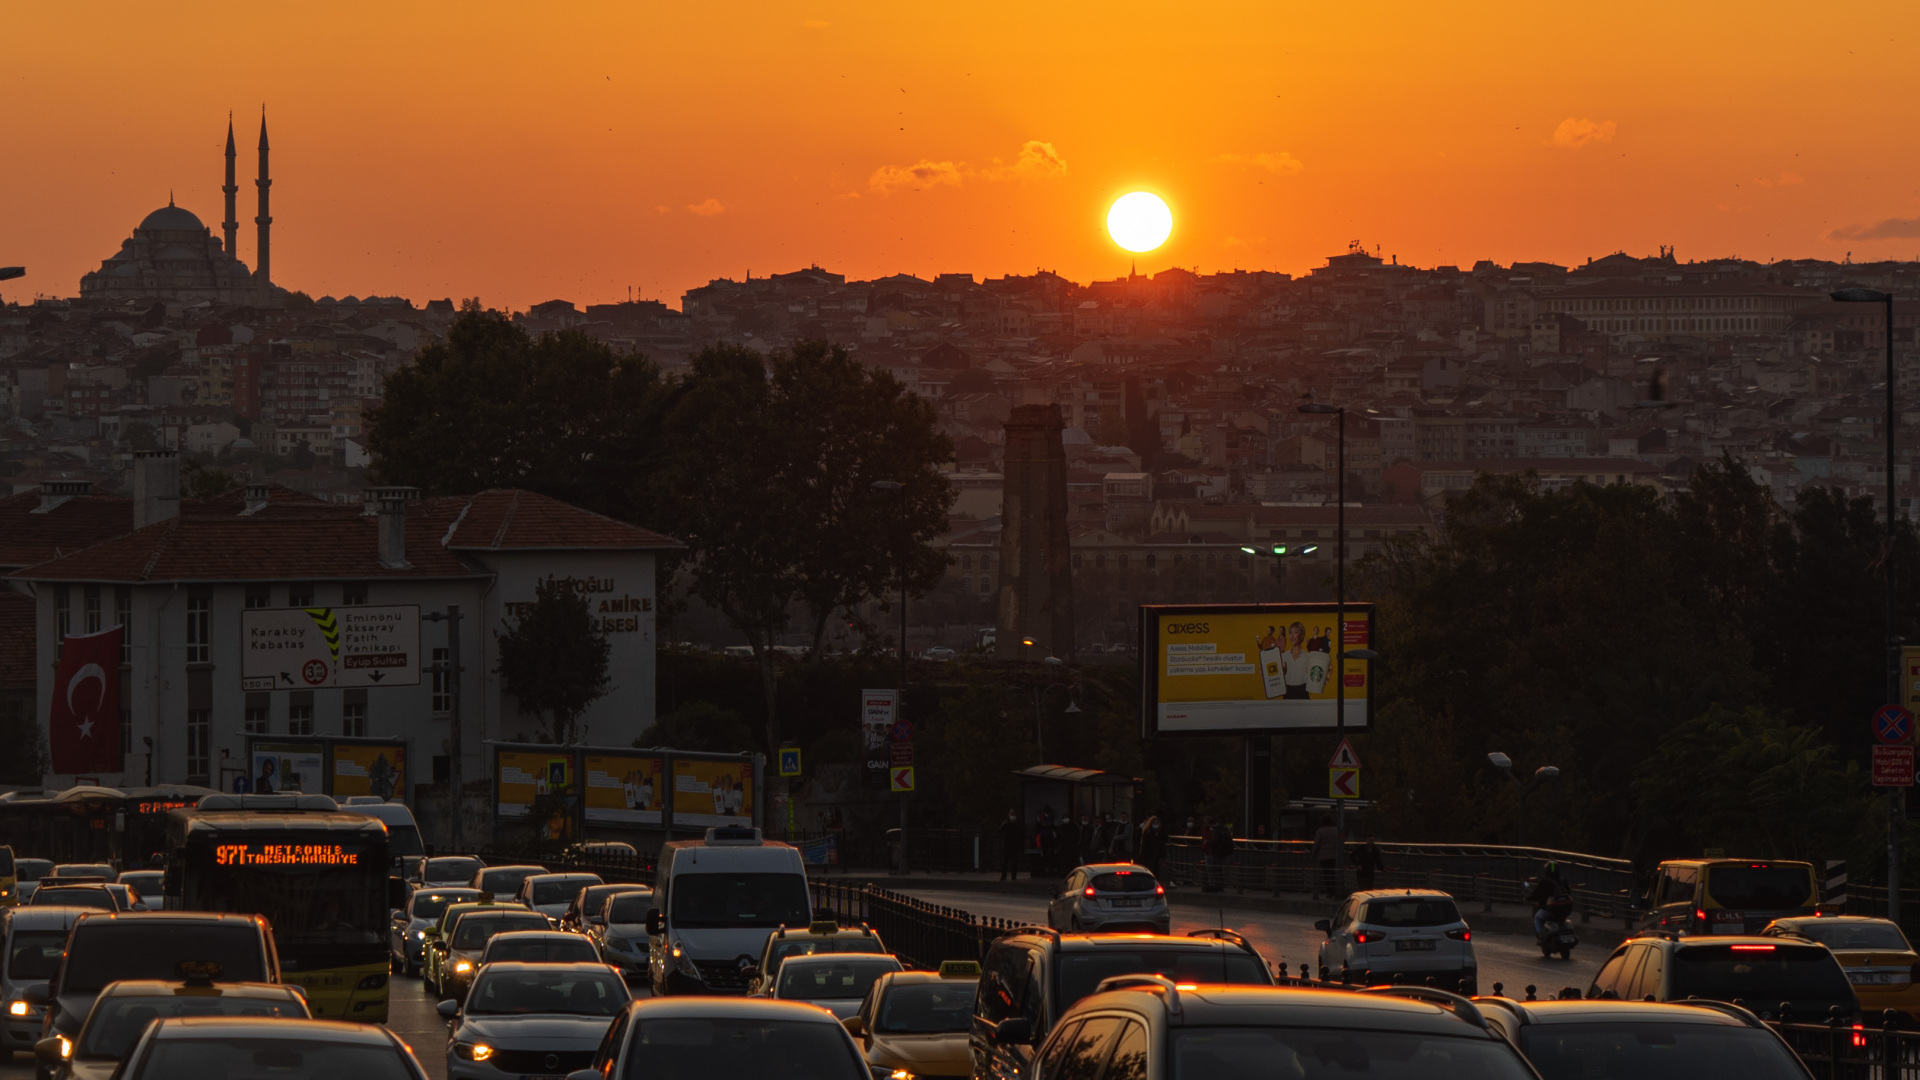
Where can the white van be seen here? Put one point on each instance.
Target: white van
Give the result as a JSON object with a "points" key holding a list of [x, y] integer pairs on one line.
{"points": [[403, 833], [719, 900]]}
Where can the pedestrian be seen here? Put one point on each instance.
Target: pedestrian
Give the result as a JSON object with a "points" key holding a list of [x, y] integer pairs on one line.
{"points": [[1123, 838], [1153, 844], [1366, 860], [1326, 851], [1047, 839], [1220, 847], [1013, 846]]}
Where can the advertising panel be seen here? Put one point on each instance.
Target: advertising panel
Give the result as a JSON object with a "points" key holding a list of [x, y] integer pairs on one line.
{"points": [[520, 776], [278, 768], [369, 769], [301, 648], [712, 792], [625, 789], [877, 711], [1251, 669]]}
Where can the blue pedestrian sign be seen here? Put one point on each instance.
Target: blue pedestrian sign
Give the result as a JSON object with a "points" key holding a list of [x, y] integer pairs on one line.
{"points": [[1892, 725], [789, 761]]}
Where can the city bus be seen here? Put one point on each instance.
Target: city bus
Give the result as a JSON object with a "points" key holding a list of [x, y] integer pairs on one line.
{"points": [[319, 877], [126, 827]]}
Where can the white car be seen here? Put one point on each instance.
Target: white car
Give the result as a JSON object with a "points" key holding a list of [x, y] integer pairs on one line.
{"points": [[550, 894], [836, 982], [1408, 934]]}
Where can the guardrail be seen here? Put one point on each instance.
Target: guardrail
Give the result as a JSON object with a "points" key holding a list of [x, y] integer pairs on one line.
{"points": [[919, 933]]}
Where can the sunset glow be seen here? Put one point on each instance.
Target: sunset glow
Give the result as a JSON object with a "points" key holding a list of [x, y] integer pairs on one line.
{"points": [[1139, 221]]}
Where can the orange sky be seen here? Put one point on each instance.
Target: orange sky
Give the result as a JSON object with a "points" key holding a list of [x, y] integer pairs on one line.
{"points": [[521, 151]]}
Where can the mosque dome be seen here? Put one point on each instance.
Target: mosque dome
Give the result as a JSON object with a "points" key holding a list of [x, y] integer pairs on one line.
{"points": [[172, 217]]}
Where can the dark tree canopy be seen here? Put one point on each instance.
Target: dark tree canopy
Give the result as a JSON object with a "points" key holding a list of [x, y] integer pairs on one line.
{"points": [[552, 659]]}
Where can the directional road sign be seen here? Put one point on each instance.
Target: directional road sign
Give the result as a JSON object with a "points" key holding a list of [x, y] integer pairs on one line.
{"points": [[1893, 766], [1343, 783], [1893, 725], [789, 761], [903, 778], [1344, 757], [305, 648]]}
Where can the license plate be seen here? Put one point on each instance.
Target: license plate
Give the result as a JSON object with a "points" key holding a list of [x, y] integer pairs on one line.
{"points": [[1413, 945], [1125, 903], [1873, 978]]}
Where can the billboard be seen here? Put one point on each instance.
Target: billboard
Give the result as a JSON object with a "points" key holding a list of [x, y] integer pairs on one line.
{"points": [[303, 648], [369, 769], [520, 776], [277, 768], [877, 711], [1251, 669], [712, 792], [625, 789]]}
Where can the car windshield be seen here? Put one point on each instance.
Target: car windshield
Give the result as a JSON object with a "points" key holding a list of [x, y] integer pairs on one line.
{"points": [[785, 947], [506, 881], [86, 896], [1224, 1053], [629, 907], [1760, 887], [558, 891], [1411, 911], [281, 1057], [701, 1048], [592, 993], [147, 884], [1080, 972], [835, 981], [572, 949], [705, 901], [107, 951], [457, 870], [429, 905], [32, 869], [1759, 974], [69, 870], [926, 1008], [116, 1022], [34, 954], [1124, 881], [472, 933], [1854, 935], [1647, 1050]]}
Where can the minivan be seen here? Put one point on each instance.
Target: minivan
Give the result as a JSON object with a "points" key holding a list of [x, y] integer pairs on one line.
{"points": [[716, 901], [403, 833], [1727, 896]]}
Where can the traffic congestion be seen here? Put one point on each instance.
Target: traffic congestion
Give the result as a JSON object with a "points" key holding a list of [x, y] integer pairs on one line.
{"points": [[282, 936]]}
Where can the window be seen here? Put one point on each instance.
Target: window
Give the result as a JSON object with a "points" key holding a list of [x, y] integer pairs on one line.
{"points": [[985, 586], [353, 719], [442, 683], [254, 721], [199, 629], [352, 593], [259, 596], [123, 614], [300, 594], [300, 717], [199, 733], [92, 601], [63, 609], [1087, 1055]]}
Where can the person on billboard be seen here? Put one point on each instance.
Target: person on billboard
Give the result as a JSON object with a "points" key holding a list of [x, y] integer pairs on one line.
{"points": [[264, 785], [1294, 660], [1272, 666]]}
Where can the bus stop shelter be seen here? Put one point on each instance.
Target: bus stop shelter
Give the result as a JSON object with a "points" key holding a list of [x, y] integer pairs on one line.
{"points": [[1063, 796]]}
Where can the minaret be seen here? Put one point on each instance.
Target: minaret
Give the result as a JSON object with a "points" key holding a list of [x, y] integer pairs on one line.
{"points": [[232, 224], [263, 266]]}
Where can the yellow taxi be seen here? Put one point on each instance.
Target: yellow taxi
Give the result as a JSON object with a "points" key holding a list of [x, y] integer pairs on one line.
{"points": [[915, 1023], [1878, 959]]}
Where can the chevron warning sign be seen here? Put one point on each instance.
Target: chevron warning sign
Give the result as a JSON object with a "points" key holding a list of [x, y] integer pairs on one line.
{"points": [[1343, 783], [329, 629]]}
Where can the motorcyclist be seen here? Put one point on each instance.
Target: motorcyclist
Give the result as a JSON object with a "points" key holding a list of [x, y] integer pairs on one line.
{"points": [[1551, 899]]}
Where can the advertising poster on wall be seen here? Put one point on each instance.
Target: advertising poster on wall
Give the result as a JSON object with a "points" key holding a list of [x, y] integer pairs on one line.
{"points": [[1246, 669], [625, 789], [712, 792], [520, 776], [279, 768], [370, 769]]}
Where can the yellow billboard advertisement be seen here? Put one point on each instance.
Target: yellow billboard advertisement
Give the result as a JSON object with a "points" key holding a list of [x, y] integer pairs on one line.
{"points": [[1245, 669], [712, 792], [625, 789], [520, 776], [370, 769]]}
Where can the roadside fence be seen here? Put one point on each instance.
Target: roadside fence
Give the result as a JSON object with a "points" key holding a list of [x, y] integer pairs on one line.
{"points": [[919, 933]]}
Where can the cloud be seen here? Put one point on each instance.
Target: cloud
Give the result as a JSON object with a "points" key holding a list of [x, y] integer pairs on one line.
{"points": [[1280, 163], [706, 209], [663, 209], [815, 24], [1037, 160], [1243, 241], [1890, 229], [1572, 134]]}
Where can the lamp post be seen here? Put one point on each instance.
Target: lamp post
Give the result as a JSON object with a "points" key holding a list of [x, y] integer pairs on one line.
{"points": [[1527, 787], [1895, 803], [1339, 413], [1256, 751], [893, 489]]}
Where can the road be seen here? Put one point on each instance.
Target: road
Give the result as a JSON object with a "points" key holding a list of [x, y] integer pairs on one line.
{"points": [[1510, 959]]}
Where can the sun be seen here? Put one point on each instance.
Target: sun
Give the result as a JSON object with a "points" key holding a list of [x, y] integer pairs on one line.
{"points": [[1139, 221]]}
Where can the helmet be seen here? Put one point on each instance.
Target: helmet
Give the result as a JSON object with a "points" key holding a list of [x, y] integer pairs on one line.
{"points": [[1553, 869]]}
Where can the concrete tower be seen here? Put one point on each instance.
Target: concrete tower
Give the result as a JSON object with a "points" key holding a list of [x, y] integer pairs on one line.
{"points": [[231, 188], [263, 266], [1036, 571]]}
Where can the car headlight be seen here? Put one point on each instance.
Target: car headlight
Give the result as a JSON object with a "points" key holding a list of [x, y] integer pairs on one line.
{"points": [[684, 964], [420, 934], [461, 967], [473, 1051]]}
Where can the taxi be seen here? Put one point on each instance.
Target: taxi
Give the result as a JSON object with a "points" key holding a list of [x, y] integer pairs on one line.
{"points": [[124, 1009], [820, 936], [1878, 959], [431, 957], [916, 1022]]}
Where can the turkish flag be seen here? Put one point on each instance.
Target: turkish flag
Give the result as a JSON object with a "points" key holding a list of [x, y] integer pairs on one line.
{"points": [[83, 726]]}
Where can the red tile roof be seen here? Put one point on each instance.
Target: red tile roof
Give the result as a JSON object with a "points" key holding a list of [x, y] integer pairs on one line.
{"points": [[16, 640], [506, 519], [27, 538]]}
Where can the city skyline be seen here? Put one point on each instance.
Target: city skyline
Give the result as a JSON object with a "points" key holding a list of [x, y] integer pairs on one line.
{"points": [[993, 145]]}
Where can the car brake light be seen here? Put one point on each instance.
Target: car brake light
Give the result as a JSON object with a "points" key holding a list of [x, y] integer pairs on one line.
{"points": [[1752, 948], [1859, 1035], [1462, 934], [1088, 891], [1700, 914], [1365, 937], [1159, 890]]}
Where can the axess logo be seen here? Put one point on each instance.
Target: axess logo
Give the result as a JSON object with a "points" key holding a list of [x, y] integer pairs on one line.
{"points": [[1189, 628]]}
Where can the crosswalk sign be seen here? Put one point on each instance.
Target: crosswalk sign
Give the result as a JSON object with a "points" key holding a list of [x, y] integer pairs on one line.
{"points": [[789, 761], [1344, 757]]}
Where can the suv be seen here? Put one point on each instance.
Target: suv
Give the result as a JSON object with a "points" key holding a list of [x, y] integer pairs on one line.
{"points": [[1572, 1040], [1773, 976], [1112, 898], [1727, 896], [1141, 1026], [1032, 976], [1406, 934]]}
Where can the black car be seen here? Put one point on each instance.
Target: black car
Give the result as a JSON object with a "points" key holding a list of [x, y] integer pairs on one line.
{"points": [[1770, 975], [1576, 1040]]}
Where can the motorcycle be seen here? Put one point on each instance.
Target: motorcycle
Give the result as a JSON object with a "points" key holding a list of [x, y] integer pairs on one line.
{"points": [[1556, 930]]}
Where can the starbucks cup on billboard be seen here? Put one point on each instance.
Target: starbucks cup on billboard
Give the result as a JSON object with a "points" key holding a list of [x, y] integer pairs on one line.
{"points": [[1272, 672], [1319, 665]]}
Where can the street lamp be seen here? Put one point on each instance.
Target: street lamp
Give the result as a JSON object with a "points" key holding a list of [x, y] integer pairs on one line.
{"points": [[1895, 804], [1527, 787], [1339, 413], [893, 489], [1039, 698]]}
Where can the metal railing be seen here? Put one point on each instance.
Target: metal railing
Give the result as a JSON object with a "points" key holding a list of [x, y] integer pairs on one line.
{"points": [[919, 933]]}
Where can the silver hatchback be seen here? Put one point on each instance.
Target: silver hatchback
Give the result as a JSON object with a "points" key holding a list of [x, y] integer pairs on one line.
{"points": [[1404, 935], [1110, 898]]}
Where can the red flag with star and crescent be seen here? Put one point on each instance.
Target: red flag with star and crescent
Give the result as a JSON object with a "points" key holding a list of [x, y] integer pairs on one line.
{"points": [[83, 726]]}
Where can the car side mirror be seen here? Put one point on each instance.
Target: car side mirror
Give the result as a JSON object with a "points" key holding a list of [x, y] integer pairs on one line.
{"points": [[596, 920], [855, 1026], [396, 915], [48, 1050], [448, 1009], [1014, 1031], [1325, 926], [656, 921]]}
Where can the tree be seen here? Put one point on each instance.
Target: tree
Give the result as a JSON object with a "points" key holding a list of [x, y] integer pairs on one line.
{"points": [[561, 414], [199, 482], [552, 659], [701, 725]]}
